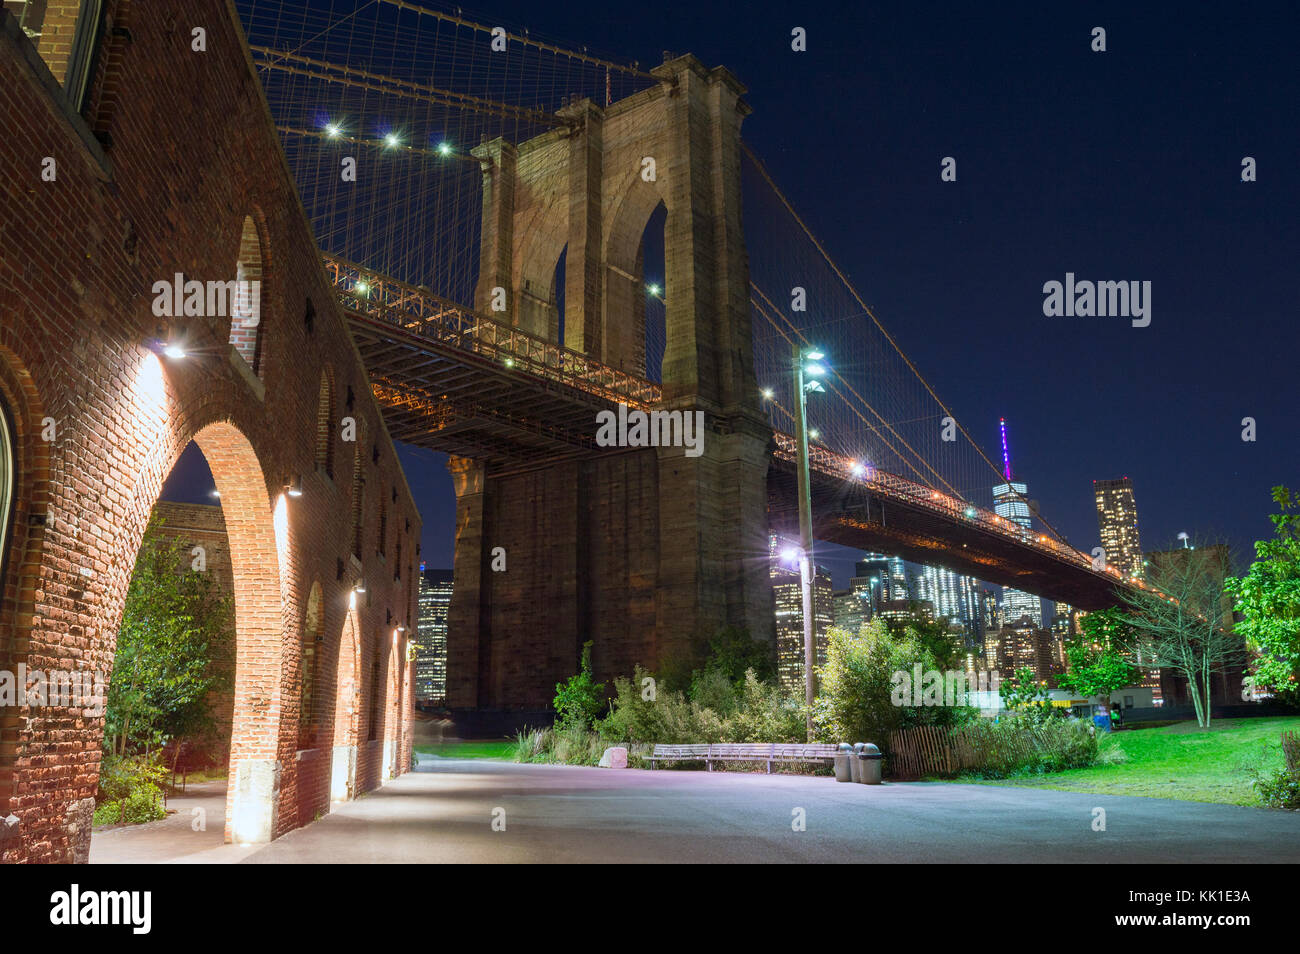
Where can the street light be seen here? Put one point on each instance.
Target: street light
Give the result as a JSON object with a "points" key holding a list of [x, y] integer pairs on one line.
{"points": [[806, 373]]}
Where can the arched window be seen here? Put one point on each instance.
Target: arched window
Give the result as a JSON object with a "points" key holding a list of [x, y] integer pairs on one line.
{"points": [[376, 686], [325, 427], [312, 634], [246, 316], [358, 494], [382, 546]]}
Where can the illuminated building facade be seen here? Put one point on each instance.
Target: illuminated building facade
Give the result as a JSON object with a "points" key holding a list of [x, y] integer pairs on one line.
{"points": [[1117, 521], [431, 646]]}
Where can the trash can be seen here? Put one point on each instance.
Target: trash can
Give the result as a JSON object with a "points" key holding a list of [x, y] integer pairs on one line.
{"points": [[855, 770], [844, 763], [868, 765]]}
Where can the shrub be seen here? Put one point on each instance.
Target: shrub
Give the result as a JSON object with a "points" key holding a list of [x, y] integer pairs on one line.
{"points": [[763, 713], [1019, 745], [130, 790], [666, 717], [1279, 789], [580, 700], [856, 702]]}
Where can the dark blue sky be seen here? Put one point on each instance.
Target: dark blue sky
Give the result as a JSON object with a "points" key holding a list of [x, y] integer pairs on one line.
{"points": [[1117, 165]]}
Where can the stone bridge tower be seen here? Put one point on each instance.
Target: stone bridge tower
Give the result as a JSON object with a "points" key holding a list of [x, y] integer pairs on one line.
{"points": [[646, 552]]}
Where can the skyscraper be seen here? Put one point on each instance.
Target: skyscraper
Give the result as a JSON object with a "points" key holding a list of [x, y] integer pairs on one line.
{"points": [[1117, 519], [787, 593], [431, 644], [1011, 503], [954, 596]]}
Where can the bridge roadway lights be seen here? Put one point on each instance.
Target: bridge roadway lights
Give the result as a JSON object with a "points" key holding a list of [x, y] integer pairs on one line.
{"points": [[256, 801]]}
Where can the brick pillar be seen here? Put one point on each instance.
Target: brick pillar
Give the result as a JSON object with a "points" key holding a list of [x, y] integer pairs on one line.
{"points": [[582, 269], [463, 616], [496, 251]]}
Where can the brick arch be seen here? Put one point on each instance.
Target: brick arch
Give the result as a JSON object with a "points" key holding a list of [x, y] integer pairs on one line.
{"points": [[20, 563], [256, 531], [347, 707]]}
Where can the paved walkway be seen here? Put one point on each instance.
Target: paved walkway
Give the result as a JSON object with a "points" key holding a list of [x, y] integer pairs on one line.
{"points": [[173, 840], [443, 813]]}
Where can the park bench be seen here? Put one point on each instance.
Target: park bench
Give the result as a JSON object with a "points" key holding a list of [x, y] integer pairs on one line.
{"points": [[768, 752]]}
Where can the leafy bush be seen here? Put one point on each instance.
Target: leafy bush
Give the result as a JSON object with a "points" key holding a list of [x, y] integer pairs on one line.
{"points": [[664, 716], [763, 713], [580, 700], [130, 790], [1019, 745], [1279, 789], [856, 702]]}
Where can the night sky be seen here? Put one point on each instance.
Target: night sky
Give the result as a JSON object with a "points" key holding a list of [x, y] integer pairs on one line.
{"points": [[1122, 165]]}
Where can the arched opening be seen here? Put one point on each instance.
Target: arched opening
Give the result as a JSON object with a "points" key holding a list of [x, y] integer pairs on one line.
{"points": [[537, 308], [358, 494], [633, 328], [313, 635], [347, 698], [197, 667], [325, 426], [8, 479], [246, 317]]}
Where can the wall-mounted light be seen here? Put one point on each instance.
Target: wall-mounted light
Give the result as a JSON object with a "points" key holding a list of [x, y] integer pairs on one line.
{"points": [[293, 485], [360, 587]]}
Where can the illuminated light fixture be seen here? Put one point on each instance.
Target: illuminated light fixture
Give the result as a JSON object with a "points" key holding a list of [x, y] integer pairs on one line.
{"points": [[401, 627], [214, 493], [391, 140], [970, 512], [789, 555], [173, 349], [360, 587], [362, 288], [814, 355], [814, 434], [332, 130], [652, 289], [857, 469], [293, 486], [444, 149], [814, 387], [510, 362], [814, 370], [767, 394]]}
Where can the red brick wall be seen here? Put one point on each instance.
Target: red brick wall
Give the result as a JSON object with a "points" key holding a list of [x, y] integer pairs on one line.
{"points": [[192, 152]]}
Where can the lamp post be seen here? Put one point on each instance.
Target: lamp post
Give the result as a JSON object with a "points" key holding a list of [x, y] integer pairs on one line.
{"points": [[810, 372]]}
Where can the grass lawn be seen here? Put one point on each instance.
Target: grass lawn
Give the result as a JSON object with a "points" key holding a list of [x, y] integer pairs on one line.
{"points": [[1180, 761], [504, 749]]}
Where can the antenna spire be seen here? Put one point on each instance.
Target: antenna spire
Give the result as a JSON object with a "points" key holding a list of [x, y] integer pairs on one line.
{"points": [[1006, 456]]}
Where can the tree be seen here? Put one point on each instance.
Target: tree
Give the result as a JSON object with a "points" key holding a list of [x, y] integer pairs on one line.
{"points": [[173, 650], [1268, 598], [1097, 661], [580, 700], [1179, 623], [1025, 692], [859, 687], [933, 634]]}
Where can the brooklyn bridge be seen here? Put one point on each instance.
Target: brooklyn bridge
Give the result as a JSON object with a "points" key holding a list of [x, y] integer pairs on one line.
{"points": [[449, 225]]}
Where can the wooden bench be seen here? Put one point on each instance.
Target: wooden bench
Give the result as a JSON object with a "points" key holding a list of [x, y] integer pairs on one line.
{"points": [[767, 752]]}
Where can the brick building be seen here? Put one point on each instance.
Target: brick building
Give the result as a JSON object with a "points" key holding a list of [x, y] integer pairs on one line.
{"points": [[132, 154]]}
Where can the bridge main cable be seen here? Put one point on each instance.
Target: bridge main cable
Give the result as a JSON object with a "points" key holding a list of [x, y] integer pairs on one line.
{"points": [[767, 177]]}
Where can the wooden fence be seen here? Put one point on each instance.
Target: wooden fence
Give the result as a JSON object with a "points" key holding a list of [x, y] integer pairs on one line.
{"points": [[932, 751]]}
